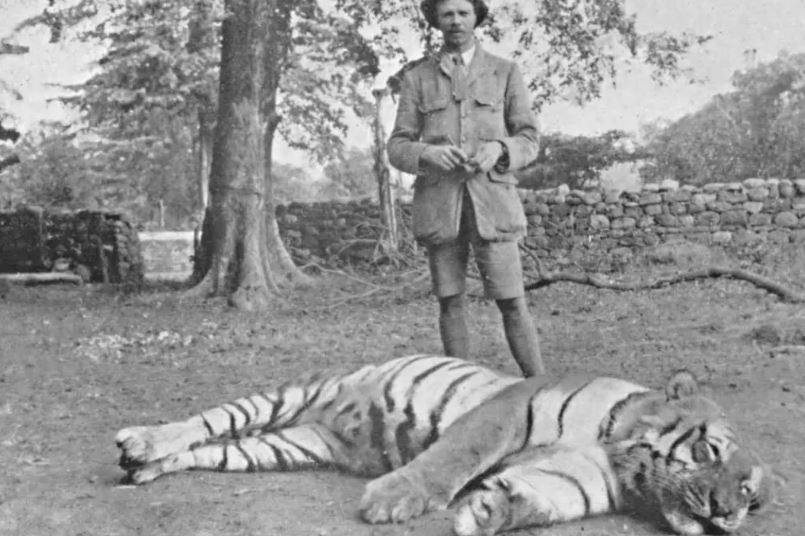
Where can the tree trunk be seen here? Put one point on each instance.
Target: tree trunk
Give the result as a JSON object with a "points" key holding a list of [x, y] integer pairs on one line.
{"points": [[235, 248], [383, 174]]}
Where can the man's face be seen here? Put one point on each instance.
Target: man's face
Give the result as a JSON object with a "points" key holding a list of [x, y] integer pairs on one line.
{"points": [[456, 20]]}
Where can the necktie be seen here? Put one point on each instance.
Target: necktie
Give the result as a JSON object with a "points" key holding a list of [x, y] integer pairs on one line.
{"points": [[459, 78]]}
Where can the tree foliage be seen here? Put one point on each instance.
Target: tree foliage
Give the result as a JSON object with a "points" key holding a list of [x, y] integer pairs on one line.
{"points": [[567, 50], [350, 176], [756, 130], [577, 160]]}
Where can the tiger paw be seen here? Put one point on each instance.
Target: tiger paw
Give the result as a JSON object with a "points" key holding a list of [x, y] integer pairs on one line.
{"points": [[152, 470], [484, 513], [142, 444], [397, 497]]}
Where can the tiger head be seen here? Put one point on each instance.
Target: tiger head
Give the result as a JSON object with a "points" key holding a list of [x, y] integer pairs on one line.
{"points": [[685, 457]]}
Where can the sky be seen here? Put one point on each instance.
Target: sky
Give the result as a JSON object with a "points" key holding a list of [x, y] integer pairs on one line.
{"points": [[767, 26]]}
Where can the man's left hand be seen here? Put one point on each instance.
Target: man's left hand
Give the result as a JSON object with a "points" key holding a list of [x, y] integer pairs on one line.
{"points": [[486, 156]]}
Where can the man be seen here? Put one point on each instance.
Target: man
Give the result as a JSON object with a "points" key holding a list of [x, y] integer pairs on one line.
{"points": [[463, 126]]}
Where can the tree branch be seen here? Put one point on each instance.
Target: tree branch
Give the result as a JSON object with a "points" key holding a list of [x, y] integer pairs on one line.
{"points": [[601, 281]]}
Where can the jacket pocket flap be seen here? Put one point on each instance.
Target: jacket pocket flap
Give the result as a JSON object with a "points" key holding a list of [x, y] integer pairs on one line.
{"points": [[430, 106], [505, 178]]}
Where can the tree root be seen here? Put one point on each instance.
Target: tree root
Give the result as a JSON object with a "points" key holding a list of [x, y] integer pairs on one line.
{"points": [[601, 281]]}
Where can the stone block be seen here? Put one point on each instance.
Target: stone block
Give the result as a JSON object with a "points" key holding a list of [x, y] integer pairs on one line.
{"points": [[757, 194], [667, 220], [753, 183], [599, 221], [534, 242], [798, 235], [667, 185], [753, 207], [542, 209], [592, 198], [677, 208], [574, 197], [624, 223], [779, 237], [713, 187], [650, 199], [734, 186], [695, 209], [722, 237], [686, 220], [745, 237], [702, 199], [756, 220], [786, 219], [645, 222], [731, 197], [651, 187], [735, 217], [677, 196], [653, 210], [708, 218], [787, 190], [719, 206], [633, 212], [799, 184]]}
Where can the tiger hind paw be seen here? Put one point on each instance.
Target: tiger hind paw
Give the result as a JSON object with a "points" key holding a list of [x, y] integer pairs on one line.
{"points": [[484, 513]]}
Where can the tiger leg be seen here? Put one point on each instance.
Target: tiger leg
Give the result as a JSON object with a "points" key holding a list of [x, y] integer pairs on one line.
{"points": [[299, 447], [472, 444], [143, 444], [541, 487]]}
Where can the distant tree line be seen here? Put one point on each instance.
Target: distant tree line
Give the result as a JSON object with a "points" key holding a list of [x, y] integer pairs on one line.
{"points": [[756, 130]]}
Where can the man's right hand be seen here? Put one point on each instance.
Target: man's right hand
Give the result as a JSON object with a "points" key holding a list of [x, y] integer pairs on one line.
{"points": [[443, 157]]}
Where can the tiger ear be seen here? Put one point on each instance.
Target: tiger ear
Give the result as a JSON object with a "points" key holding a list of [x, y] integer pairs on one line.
{"points": [[682, 384]]}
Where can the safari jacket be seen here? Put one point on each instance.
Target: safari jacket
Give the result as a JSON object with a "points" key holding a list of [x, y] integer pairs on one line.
{"points": [[497, 110]]}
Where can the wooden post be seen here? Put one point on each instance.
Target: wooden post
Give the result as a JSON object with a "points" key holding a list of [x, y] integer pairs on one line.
{"points": [[383, 175]]}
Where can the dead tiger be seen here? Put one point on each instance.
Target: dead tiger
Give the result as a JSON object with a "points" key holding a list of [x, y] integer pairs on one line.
{"points": [[518, 452]]}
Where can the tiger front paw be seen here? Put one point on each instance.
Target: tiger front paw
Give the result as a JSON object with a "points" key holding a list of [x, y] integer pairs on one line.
{"points": [[140, 445], [484, 513], [397, 497]]}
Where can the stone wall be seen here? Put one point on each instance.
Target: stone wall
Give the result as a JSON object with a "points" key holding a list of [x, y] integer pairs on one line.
{"points": [[596, 230], [99, 246], [592, 229]]}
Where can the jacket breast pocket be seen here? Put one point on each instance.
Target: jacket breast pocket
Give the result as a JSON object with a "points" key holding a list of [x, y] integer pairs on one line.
{"points": [[489, 112], [432, 111]]}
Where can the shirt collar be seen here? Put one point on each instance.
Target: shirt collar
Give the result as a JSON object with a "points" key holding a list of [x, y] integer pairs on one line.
{"points": [[467, 56]]}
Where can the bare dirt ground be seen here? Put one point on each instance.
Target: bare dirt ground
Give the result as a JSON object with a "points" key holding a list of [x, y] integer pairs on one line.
{"points": [[77, 364]]}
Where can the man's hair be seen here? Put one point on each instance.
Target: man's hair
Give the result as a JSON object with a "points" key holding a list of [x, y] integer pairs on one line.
{"points": [[428, 8]]}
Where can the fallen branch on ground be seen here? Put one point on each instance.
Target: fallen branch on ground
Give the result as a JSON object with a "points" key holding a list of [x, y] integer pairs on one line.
{"points": [[42, 278], [601, 281]]}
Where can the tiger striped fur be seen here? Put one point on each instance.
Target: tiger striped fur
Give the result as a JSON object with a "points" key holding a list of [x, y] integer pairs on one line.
{"points": [[510, 452]]}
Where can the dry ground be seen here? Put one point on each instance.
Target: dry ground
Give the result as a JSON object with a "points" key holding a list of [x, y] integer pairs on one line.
{"points": [[78, 364]]}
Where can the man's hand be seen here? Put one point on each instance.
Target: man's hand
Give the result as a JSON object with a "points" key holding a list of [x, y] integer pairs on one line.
{"points": [[487, 156], [443, 157]]}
